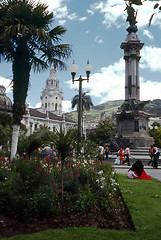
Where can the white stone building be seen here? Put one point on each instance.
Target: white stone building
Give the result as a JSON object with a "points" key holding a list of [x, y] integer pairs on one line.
{"points": [[52, 96], [50, 113]]}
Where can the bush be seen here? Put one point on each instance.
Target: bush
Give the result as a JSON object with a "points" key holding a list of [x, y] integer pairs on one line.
{"points": [[30, 188]]}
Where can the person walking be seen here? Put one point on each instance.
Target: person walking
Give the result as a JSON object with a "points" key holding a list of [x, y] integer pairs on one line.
{"points": [[127, 155], [43, 151], [156, 156], [121, 154], [106, 151], [100, 152], [151, 155]]}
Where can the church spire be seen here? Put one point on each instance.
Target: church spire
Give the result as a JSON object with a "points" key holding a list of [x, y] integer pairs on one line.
{"points": [[52, 96]]}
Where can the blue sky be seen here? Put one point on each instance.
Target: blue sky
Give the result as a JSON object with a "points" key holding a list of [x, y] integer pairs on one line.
{"points": [[95, 31]]}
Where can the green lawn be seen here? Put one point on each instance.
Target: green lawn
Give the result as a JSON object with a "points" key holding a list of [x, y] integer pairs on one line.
{"points": [[143, 199]]}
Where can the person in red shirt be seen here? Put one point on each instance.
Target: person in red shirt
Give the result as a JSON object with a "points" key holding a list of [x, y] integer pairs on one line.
{"points": [[121, 154]]}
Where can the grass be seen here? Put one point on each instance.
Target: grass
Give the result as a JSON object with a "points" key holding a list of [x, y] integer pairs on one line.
{"points": [[143, 199]]}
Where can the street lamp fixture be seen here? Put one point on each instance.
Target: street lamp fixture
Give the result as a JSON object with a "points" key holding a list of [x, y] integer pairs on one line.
{"points": [[73, 70]]}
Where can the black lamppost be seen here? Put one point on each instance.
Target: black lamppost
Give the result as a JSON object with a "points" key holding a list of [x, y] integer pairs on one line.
{"points": [[73, 70]]}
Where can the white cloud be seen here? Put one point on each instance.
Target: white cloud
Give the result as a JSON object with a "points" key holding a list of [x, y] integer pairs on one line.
{"points": [[53, 4], [83, 19], [90, 11], [111, 10], [114, 14], [66, 106], [62, 22], [6, 83], [149, 90], [72, 16], [61, 12], [38, 105], [151, 58], [109, 83], [98, 40], [148, 34]]}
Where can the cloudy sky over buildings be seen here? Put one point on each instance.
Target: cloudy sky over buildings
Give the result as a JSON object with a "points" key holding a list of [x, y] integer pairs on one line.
{"points": [[95, 31]]}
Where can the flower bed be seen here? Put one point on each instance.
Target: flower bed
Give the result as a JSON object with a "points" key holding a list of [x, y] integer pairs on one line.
{"points": [[32, 188]]}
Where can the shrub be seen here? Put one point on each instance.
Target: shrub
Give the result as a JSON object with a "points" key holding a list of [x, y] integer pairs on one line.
{"points": [[32, 188]]}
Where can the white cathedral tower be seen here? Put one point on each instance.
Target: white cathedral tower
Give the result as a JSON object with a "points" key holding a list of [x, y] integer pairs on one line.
{"points": [[52, 96]]}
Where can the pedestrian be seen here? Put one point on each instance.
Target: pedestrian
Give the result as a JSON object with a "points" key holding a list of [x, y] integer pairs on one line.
{"points": [[106, 151], [117, 160], [156, 156], [52, 150], [151, 155], [43, 150], [100, 152], [121, 154], [47, 150], [127, 155]]}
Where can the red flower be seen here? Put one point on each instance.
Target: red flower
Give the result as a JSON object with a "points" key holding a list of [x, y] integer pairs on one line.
{"points": [[60, 191]]}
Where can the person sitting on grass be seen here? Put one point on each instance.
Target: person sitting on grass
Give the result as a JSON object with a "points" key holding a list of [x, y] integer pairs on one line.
{"points": [[139, 170], [131, 173]]}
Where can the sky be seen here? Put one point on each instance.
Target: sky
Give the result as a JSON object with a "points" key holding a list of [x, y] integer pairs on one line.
{"points": [[95, 31]]}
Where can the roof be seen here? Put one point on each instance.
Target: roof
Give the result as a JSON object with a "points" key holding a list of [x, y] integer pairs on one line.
{"points": [[35, 113]]}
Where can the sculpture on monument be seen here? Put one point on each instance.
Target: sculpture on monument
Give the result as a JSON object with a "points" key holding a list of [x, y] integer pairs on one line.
{"points": [[131, 117]]}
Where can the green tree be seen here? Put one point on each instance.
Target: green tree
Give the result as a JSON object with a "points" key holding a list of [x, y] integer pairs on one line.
{"points": [[155, 132], [6, 122], [86, 101], [64, 144], [27, 41], [103, 131], [29, 144], [86, 105], [6, 119]]}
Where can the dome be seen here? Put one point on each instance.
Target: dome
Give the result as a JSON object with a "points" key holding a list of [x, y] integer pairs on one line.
{"points": [[5, 102]]}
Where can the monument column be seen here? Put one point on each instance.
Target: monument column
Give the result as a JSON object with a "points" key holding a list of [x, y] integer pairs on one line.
{"points": [[132, 47], [131, 117]]}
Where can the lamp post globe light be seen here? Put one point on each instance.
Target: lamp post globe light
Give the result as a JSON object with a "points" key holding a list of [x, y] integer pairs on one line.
{"points": [[73, 70]]}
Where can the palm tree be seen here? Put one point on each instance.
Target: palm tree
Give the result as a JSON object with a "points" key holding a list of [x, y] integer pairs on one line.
{"points": [[86, 104], [27, 41], [64, 144], [86, 101]]}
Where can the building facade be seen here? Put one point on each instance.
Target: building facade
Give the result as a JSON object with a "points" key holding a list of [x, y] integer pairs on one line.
{"points": [[50, 113]]}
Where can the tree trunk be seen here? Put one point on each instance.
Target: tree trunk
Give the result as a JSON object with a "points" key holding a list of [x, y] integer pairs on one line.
{"points": [[14, 143]]}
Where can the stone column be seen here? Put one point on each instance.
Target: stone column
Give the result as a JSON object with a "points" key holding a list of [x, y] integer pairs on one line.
{"points": [[132, 47]]}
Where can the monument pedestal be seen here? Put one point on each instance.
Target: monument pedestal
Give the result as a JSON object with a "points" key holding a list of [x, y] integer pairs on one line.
{"points": [[132, 124]]}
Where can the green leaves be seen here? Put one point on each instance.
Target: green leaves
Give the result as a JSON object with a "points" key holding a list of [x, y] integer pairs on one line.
{"points": [[136, 2], [63, 142]]}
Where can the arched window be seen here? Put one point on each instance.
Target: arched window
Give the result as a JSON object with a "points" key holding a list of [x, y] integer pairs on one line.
{"points": [[56, 107]]}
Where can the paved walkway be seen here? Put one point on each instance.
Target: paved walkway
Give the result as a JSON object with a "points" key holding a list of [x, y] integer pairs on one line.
{"points": [[154, 173]]}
